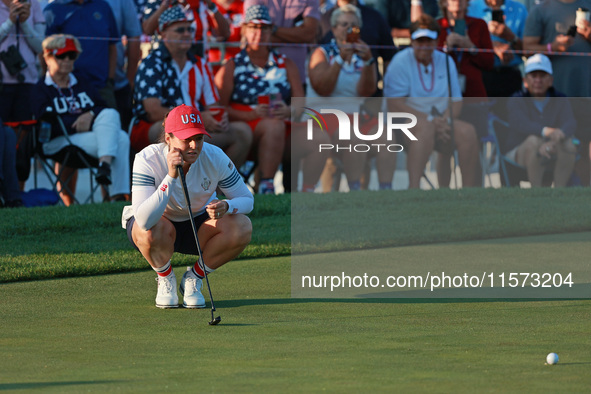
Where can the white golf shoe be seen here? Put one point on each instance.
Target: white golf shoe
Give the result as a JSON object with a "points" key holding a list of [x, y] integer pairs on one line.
{"points": [[167, 297], [191, 290]]}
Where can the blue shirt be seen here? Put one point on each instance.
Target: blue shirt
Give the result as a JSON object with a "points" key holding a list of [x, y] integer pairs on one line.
{"points": [[93, 23], [515, 16], [128, 24]]}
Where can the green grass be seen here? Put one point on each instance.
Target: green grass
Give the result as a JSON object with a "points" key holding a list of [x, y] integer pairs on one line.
{"points": [[76, 331], [103, 333], [49, 242]]}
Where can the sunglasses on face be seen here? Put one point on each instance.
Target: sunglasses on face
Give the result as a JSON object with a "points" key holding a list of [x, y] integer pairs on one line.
{"points": [[182, 30], [69, 55], [259, 27], [347, 24]]}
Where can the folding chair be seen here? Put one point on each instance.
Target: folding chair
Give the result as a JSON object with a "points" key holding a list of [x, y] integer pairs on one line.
{"points": [[70, 156], [511, 172]]}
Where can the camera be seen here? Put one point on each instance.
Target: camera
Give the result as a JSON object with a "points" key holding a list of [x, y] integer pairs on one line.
{"points": [[13, 61], [353, 34]]}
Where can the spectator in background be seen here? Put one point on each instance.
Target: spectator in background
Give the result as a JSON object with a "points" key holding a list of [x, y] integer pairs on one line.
{"points": [[21, 33], [294, 22], [92, 127], [419, 76], [170, 76], [233, 11], [16, 82], [462, 36], [402, 12], [128, 56], [258, 72], [204, 15], [94, 23], [345, 69], [546, 31], [507, 34], [375, 33], [10, 195], [541, 126]]}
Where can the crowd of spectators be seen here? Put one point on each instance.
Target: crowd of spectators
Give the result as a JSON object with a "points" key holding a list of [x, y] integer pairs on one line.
{"points": [[240, 62]]}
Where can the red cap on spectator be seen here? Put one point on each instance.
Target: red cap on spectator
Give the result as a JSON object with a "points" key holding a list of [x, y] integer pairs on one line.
{"points": [[69, 46], [184, 122]]}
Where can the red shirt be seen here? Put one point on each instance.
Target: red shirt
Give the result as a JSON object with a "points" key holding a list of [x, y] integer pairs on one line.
{"points": [[235, 17], [471, 65]]}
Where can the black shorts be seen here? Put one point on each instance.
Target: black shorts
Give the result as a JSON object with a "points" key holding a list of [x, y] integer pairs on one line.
{"points": [[185, 239]]}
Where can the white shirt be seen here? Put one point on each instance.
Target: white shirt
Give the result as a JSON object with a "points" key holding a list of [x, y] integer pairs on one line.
{"points": [[156, 194], [425, 87]]}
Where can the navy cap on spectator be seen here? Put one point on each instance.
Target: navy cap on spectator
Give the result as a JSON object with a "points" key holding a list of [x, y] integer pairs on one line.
{"points": [[170, 16], [258, 14]]}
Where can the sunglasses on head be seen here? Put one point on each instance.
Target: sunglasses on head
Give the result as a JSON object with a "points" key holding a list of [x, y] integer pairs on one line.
{"points": [[69, 55], [182, 30]]}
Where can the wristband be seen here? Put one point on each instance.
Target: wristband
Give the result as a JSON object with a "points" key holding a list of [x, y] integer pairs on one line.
{"points": [[92, 113], [274, 30], [369, 62], [416, 2], [549, 47], [339, 60]]}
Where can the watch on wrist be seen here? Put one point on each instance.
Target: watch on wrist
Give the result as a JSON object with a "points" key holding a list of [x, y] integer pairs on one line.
{"points": [[339, 60], [369, 62], [91, 112], [274, 30], [212, 7]]}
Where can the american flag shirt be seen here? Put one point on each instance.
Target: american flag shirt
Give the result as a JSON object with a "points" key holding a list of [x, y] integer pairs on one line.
{"points": [[251, 81], [159, 76]]}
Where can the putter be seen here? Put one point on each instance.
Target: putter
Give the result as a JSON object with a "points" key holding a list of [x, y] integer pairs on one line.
{"points": [[218, 319]]}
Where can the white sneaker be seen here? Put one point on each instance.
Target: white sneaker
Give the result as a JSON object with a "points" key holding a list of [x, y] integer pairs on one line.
{"points": [[167, 297], [191, 290]]}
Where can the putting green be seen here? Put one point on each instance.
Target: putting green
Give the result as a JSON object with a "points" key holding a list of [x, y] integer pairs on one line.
{"points": [[103, 333]]}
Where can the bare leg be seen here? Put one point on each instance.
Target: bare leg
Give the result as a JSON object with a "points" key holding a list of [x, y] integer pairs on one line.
{"points": [[66, 191], [157, 243], [224, 239], [565, 162], [269, 139], [418, 153]]}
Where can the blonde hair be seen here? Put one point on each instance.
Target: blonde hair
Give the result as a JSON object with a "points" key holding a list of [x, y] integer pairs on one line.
{"points": [[58, 41], [345, 9]]}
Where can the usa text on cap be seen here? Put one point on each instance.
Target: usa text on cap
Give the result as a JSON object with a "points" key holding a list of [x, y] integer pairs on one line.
{"points": [[184, 122]]}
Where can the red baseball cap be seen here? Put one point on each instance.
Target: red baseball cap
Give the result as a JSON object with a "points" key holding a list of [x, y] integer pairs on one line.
{"points": [[69, 46], [184, 122]]}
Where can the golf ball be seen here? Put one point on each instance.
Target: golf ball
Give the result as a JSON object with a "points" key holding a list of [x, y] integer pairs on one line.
{"points": [[552, 359]]}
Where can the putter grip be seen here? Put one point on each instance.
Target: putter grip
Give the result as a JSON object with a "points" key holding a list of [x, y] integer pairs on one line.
{"points": [[184, 183]]}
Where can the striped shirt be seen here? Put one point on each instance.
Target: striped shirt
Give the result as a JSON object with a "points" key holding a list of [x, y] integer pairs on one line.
{"points": [[156, 194], [159, 76]]}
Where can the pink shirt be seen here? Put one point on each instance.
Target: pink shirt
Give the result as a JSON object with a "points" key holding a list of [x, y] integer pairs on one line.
{"points": [[30, 73], [283, 13]]}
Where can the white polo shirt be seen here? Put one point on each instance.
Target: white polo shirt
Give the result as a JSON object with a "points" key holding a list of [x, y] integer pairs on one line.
{"points": [[156, 194], [425, 87]]}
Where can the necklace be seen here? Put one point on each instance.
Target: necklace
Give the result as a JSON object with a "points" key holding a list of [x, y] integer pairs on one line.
{"points": [[427, 71], [70, 100]]}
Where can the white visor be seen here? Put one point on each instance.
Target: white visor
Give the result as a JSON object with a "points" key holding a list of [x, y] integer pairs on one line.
{"points": [[424, 33]]}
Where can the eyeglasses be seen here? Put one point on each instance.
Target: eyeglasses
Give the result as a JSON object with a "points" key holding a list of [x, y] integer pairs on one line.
{"points": [[347, 24], [69, 55], [259, 27], [182, 30]]}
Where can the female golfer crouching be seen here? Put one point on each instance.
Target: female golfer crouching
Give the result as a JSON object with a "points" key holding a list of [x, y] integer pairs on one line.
{"points": [[157, 221]]}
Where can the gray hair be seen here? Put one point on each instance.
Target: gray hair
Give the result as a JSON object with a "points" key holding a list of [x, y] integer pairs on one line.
{"points": [[345, 9]]}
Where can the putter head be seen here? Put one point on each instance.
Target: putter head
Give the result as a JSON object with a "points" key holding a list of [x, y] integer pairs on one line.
{"points": [[215, 321]]}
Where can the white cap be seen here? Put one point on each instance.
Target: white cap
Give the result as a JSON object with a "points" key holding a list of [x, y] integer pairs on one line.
{"points": [[538, 62], [432, 34]]}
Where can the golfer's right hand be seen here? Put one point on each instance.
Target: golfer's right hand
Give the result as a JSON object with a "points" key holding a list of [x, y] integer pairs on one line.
{"points": [[174, 159]]}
